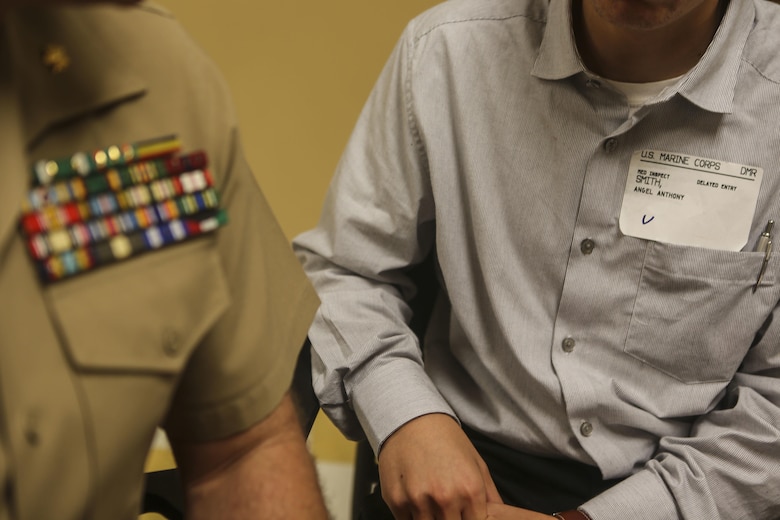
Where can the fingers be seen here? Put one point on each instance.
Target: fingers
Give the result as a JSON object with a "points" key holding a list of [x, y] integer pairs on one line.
{"points": [[435, 512], [464, 500], [491, 491], [448, 505], [429, 470], [422, 506]]}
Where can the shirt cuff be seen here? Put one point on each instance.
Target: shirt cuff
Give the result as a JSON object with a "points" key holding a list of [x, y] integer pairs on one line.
{"points": [[642, 495], [393, 395]]}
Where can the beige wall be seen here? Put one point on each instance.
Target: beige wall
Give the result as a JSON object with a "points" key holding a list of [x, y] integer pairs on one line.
{"points": [[299, 73]]}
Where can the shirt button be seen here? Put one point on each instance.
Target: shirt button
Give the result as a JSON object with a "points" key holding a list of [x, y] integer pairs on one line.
{"points": [[171, 344], [31, 434], [586, 429], [587, 246], [568, 344], [32, 437], [610, 145]]}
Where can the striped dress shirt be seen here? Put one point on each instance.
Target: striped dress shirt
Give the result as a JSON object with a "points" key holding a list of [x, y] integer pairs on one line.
{"points": [[488, 141]]}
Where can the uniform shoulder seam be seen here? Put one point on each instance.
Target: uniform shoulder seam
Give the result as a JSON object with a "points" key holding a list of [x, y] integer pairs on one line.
{"points": [[157, 9]]}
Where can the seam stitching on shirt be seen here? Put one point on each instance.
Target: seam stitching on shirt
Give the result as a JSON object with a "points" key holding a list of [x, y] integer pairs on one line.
{"points": [[478, 19], [760, 72], [408, 102]]}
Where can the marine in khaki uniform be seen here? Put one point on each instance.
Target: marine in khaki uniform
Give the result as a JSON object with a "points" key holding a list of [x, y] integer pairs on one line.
{"points": [[125, 318]]}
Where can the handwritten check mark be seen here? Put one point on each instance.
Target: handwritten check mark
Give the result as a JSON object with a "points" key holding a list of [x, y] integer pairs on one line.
{"points": [[646, 220]]}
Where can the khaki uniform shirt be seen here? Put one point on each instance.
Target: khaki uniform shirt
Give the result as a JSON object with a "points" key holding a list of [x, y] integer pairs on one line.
{"points": [[201, 336]]}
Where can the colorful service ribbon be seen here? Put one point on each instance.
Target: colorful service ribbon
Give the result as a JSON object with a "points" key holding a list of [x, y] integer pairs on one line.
{"points": [[93, 209]]}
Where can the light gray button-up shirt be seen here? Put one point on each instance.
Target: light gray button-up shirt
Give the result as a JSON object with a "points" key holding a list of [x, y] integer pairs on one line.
{"points": [[486, 138]]}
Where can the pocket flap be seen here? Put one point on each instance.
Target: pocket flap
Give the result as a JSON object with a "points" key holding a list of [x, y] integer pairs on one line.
{"points": [[143, 314]]}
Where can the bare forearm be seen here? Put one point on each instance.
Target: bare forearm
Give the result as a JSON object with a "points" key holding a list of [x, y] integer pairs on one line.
{"points": [[278, 482], [271, 477]]}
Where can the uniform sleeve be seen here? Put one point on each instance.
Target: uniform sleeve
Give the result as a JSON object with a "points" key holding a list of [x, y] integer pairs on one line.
{"points": [[377, 220], [243, 366], [729, 465]]}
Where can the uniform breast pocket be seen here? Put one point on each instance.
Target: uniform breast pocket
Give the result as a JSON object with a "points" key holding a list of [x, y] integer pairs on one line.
{"points": [[695, 314], [144, 314]]}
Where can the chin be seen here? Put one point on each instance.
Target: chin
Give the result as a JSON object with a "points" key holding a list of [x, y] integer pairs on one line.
{"points": [[644, 14]]}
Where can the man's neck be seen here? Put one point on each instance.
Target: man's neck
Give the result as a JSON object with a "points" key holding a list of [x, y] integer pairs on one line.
{"points": [[635, 55]]}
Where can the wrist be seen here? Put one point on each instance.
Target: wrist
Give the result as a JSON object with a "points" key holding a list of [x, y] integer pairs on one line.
{"points": [[572, 514]]}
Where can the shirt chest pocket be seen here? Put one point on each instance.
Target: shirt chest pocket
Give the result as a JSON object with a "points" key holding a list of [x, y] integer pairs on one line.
{"points": [[145, 314], [695, 314]]}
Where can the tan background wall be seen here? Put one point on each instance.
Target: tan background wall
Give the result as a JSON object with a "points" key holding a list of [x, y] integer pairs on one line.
{"points": [[299, 73]]}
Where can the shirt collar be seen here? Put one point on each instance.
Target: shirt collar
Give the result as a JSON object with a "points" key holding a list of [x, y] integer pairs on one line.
{"points": [[710, 84], [94, 77], [558, 57]]}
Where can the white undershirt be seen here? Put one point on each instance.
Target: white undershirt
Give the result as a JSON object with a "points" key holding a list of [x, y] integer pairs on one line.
{"points": [[639, 93]]}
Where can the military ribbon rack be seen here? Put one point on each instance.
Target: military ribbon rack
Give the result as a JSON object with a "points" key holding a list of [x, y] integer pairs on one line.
{"points": [[94, 209]]}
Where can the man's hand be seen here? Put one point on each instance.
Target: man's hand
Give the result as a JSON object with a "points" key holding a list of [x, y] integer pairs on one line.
{"points": [[428, 469], [264, 472], [504, 512]]}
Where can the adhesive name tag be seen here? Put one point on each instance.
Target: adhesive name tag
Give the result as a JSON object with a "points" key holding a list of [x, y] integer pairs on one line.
{"points": [[688, 200]]}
